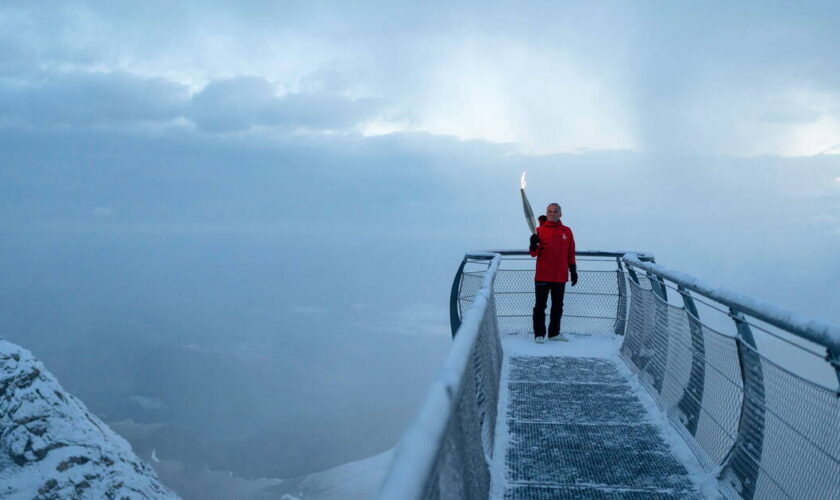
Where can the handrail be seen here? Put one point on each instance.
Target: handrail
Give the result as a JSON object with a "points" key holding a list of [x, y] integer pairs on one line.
{"points": [[644, 256], [744, 471], [819, 332], [417, 453], [726, 406], [455, 292]]}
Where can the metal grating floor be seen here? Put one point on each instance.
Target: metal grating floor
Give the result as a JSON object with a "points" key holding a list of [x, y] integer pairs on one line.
{"points": [[576, 430]]}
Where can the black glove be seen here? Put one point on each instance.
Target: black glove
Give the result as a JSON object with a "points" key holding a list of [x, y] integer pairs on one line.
{"points": [[535, 240], [573, 269]]}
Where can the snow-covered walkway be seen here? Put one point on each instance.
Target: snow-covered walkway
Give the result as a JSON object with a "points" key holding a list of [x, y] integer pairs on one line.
{"points": [[575, 423]]}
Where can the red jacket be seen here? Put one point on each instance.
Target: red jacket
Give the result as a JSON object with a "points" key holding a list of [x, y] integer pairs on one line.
{"points": [[555, 252]]}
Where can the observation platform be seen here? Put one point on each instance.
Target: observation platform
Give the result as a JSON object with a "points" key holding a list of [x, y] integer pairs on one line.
{"points": [[573, 424], [668, 388]]}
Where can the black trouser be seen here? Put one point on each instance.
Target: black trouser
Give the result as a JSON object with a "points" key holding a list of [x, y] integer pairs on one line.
{"points": [[542, 288]]}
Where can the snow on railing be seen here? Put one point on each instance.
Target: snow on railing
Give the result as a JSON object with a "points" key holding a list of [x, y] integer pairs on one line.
{"points": [[761, 429], [819, 332], [765, 431], [446, 451]]}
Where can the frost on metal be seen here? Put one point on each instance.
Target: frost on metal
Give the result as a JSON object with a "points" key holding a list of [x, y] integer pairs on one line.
{"points": [[52, 447]]}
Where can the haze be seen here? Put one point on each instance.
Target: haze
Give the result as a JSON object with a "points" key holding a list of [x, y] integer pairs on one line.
{"points": [[231, 229]]}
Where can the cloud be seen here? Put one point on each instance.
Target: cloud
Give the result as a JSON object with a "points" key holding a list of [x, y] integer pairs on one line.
{"points": [[784, 112], [90, 99], [118, 99], [741, 79], [416, 318], [103, 211], [308, 310], [348, 238], [551, 77], [238, 104]]}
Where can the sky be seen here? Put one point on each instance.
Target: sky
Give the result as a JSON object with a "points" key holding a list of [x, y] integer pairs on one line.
{"points": [[755, 78], [226, 226]]}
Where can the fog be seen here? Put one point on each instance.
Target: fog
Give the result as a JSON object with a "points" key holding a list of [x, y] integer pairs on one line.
{"points": [[274, 311], [231, 230]]}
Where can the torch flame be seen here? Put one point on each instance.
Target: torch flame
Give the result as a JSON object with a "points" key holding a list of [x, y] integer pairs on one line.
{"points": [[522, 181]]}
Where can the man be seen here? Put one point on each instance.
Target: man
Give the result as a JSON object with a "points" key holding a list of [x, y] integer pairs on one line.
{"points": [[554, 248]]}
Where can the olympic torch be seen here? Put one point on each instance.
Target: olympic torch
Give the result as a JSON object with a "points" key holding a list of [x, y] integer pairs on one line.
{"points": [[526, 206]]}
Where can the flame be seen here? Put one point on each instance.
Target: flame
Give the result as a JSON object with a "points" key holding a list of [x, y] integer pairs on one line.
{"points": [[522, 181]]}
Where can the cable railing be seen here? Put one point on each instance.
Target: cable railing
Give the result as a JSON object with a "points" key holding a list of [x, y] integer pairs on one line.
{"points": [[761, 428]]}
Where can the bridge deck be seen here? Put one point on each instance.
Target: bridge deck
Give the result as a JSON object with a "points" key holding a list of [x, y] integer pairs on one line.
{"points": [[571, 425]]}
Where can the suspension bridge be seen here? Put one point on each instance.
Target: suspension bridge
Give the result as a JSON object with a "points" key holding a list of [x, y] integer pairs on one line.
{"points": [[668, 389]]}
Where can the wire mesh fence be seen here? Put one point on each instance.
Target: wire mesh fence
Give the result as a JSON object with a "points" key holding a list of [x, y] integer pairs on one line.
{"points": [[772, 433], [447, 453], [596, 305], [763, 430]]}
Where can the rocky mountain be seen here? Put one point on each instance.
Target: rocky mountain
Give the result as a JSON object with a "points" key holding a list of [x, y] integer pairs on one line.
{"points": [[52, 447]]}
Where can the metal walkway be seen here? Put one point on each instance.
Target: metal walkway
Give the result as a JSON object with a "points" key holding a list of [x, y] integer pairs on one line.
{"points": [[576, 430], [651, 398]]}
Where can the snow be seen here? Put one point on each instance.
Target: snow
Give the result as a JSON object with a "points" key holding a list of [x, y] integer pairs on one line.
{"points": [[418, 450], [817, 331], [356, 480], [359, 480], [602, 346], [605, 347], [51, 445], [498, 479], [706, 481]]}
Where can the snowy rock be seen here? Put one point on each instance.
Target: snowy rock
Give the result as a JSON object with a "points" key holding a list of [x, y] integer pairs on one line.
{"points": [[52, 447]]}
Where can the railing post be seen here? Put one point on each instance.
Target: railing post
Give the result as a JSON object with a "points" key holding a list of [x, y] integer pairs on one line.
{"points": [[633, 276], [660, 282], [655, 366], [833, 358], [656, 283], [454, 294], [621, 308], [692, 399], [741, 467]]}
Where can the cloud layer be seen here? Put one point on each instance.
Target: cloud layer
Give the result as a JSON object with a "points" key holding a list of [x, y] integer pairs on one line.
{"points": [[754, 78], [118, 99]]}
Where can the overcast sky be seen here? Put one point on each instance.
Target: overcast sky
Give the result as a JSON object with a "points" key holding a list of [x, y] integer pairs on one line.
{"points": [[269, 178], [749, 78]]}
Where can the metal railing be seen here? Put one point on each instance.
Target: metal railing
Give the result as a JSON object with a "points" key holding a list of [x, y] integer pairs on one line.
{"points": [[761, 428], [447, 450], [766, 431], [597, 305]]}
